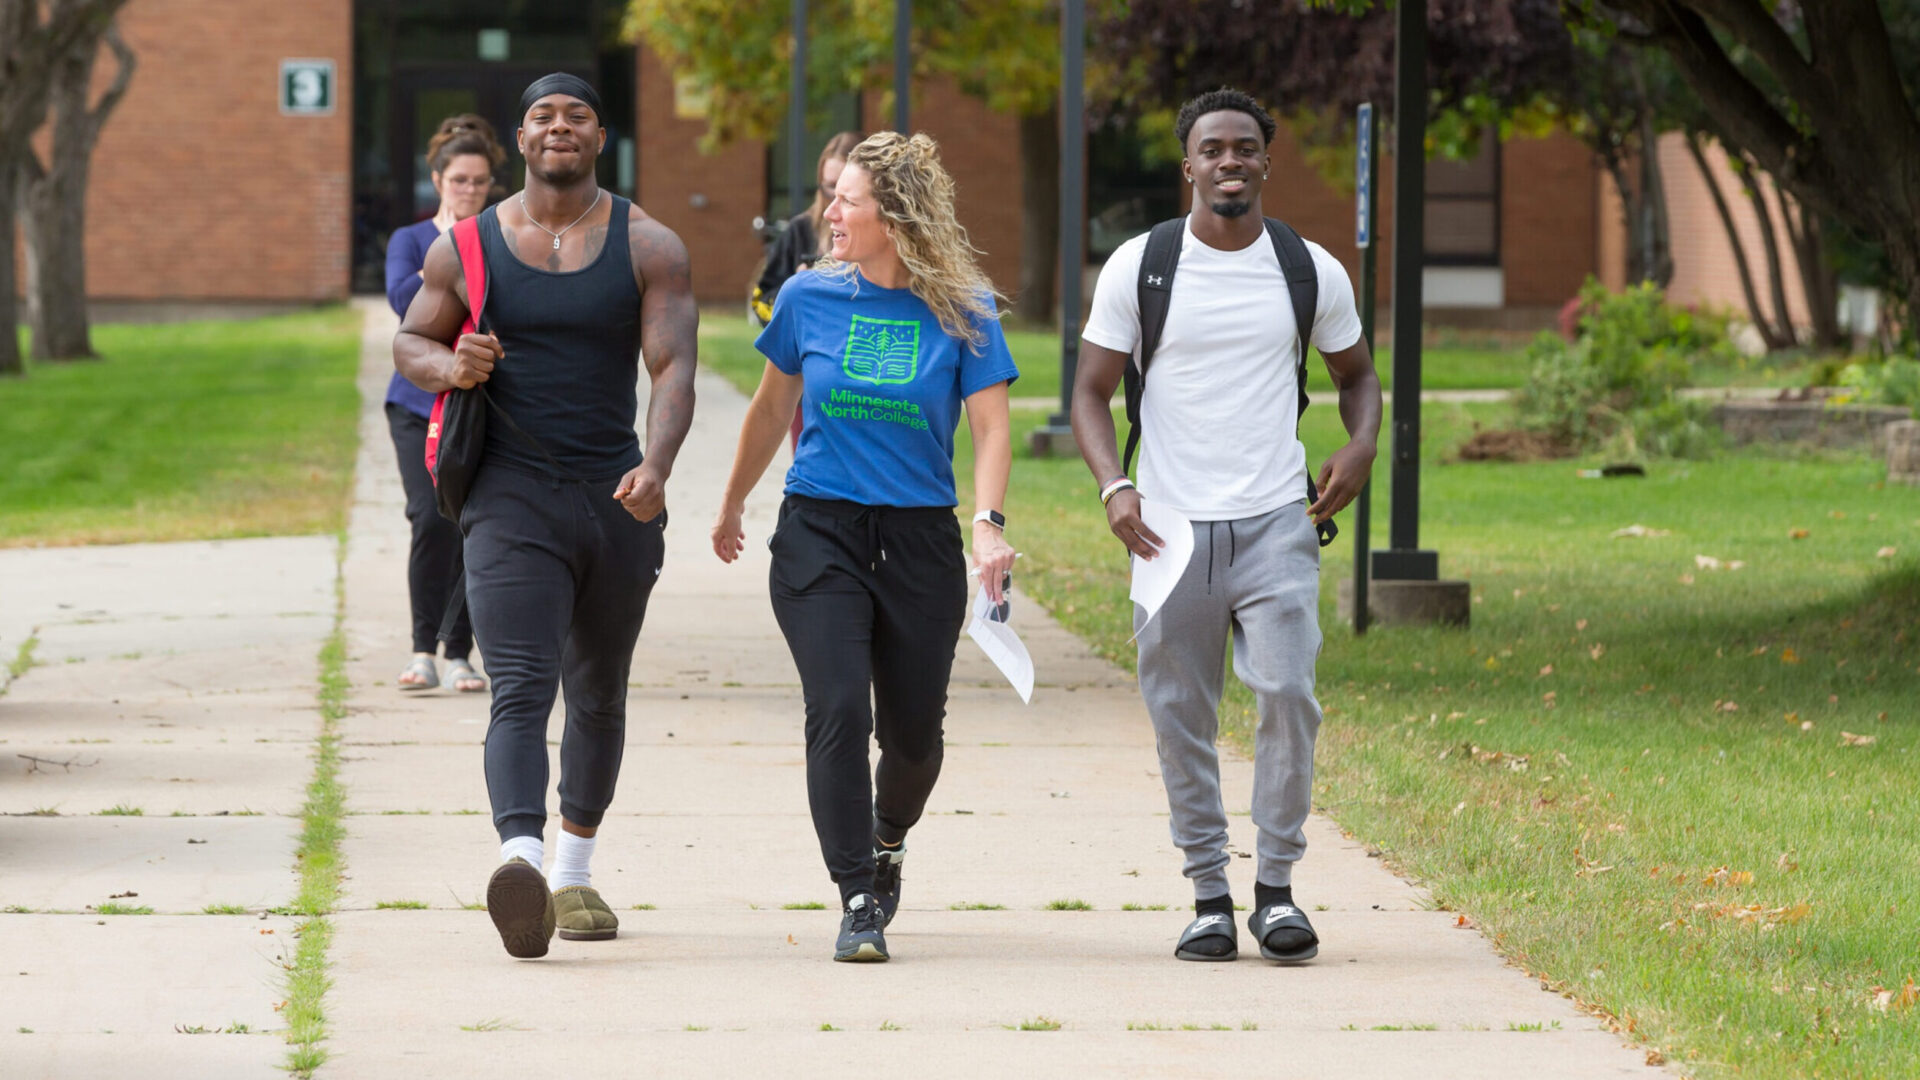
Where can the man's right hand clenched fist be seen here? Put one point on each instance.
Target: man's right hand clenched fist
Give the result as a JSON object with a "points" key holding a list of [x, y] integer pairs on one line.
{"points": [[473, 358]]}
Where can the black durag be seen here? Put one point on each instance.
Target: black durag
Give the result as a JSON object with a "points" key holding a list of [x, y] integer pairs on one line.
{"points": [[559, 83]]}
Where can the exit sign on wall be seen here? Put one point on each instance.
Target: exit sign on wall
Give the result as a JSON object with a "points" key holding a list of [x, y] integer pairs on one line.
{"points": [[306, 87]]}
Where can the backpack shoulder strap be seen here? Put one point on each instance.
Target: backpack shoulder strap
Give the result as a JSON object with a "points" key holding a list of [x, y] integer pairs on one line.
{"points": [[1303, 288], [473, 264], [1155, 291]]}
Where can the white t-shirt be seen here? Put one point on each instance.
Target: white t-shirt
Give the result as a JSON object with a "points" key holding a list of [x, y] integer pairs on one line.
{"points": [[1220, 411]]}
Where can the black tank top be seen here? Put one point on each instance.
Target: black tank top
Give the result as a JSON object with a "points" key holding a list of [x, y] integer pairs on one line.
{"points": [[572, 349]]}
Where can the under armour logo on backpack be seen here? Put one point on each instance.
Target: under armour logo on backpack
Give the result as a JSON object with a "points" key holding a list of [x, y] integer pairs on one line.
{"points": [[1156, 279]]}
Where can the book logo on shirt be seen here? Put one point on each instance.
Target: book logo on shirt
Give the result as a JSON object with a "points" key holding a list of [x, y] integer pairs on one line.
{"points": [[882, 351]]}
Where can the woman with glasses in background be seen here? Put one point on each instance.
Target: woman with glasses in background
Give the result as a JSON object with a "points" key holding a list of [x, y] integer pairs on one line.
{"points": [[461, 158]]}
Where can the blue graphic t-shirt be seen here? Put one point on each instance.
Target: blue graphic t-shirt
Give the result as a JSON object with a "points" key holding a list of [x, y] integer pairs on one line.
{"points": [[884, 387]]}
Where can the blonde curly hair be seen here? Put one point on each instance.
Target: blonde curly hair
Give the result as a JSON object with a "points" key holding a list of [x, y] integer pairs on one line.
{"points": [[914, 194]]}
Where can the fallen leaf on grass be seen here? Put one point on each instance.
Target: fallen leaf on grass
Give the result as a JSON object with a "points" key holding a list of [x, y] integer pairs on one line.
{"points": [[1848, 738], [1725, 706], [1755, 914], [1837, 515], [1728, 878], [1632, 532], [1788, 656], [1886, 553], [1548, 670], [1581, 625], [1784, 864], [1796, 534], [1904, 998], [1686, 579], [1461, 922]]}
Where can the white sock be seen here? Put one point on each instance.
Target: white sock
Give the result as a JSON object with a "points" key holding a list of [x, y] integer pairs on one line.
{"points": [[521, 847], [571, 854]]}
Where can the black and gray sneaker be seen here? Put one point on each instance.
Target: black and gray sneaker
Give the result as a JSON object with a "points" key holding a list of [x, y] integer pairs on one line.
{"points": [[860, 938], [886, 879]]}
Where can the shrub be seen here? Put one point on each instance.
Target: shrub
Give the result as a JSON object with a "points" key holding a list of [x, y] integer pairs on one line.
{"points": [[1615, 380], [1892, 381]]}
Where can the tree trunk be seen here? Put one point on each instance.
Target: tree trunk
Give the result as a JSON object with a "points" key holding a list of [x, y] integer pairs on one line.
{"points": [[1816, 277], [10, 360], [1776, 278], [1629, 210], [53, 201], [1653, 196], [29, 51], [1759, 316], [1039, 214]]}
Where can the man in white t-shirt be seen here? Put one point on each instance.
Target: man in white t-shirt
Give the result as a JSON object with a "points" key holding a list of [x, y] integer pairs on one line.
{"points": [[1220, 445]]}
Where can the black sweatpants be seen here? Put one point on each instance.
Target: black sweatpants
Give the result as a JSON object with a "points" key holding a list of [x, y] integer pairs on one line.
{"points": [[871, 600], [558, 576], [433, 562]]}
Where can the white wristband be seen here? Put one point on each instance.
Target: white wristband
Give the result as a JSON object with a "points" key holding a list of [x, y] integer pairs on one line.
{"points": [[1108, 492]]}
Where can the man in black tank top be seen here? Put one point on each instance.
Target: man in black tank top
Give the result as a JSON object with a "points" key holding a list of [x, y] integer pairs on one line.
{"points": [[564, 523]]}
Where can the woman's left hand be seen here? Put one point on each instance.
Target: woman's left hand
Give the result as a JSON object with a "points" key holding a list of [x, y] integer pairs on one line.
{"points": [[992, 557]]}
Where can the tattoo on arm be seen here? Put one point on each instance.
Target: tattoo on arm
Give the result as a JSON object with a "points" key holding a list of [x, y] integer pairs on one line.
{"points": [[669, 325]]}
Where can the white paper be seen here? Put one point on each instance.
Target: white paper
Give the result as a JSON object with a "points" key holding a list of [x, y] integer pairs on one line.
{"points": [[1154, 579], [1002, 645]]}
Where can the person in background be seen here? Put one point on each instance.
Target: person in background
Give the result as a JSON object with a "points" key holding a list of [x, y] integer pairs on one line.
{"points": [[461, 156], [804, 241]]}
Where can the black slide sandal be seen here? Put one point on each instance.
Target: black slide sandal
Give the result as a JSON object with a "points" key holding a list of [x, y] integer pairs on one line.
{"points": [[1211, 925], [1262, 924]]}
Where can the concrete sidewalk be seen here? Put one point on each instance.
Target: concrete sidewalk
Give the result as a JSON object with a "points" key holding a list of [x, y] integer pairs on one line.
{"points": [[1054, 801], [707, 854]]}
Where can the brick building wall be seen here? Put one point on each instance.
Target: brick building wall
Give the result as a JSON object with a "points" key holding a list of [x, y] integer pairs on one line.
{"points": [[710, 200], [1549, 220], [201, 190]]}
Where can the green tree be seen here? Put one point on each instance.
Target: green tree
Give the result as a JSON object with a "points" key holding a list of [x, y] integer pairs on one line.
{"points": [[1813, 93], [1003, 52]]}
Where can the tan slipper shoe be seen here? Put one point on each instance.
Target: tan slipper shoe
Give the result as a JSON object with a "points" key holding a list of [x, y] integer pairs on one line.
{"points": [[521, 908], [582, 916]]}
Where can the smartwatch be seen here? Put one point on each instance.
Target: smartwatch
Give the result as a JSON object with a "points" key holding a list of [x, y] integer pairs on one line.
{"points": [[992, 517]]}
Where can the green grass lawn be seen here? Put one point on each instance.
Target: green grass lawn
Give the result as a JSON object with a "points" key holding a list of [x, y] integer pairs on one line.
{"points": [[184, 431]]}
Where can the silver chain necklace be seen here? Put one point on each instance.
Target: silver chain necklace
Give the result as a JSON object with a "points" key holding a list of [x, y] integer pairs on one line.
{"points": [[597, 192]]}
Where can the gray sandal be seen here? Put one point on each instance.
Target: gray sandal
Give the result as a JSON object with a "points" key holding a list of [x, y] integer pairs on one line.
{"points": [[459, 671], [1206, 928], [423, 667]]}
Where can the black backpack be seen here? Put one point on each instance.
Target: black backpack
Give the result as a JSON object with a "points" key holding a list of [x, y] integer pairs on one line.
{"points": [[1155, 288]]}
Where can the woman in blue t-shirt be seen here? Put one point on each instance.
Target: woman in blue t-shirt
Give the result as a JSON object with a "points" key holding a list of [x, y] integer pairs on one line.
{"points": [[880, 344], [461, 158]]}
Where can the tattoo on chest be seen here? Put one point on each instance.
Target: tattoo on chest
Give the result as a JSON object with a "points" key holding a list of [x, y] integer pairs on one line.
{"points": [[566, 257]]}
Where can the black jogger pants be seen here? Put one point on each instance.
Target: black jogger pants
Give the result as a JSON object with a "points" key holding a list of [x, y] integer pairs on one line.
{"points": [[558, 576], [433, 561], [870, 599]]}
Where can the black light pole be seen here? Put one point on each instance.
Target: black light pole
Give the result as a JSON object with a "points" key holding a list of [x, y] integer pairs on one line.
{"points": [[797, 114], [1367, 179], [1406, 562], [902, 62], [1073, 150]]}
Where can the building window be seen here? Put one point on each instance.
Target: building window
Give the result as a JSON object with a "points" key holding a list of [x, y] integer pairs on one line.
{"points": [[1463, 208]]}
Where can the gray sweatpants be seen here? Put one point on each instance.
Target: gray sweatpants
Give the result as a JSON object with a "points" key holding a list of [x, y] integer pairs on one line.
{"points": [[1260, 578]]}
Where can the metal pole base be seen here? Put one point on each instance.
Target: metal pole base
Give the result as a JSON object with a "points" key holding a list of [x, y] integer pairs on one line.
{"points": [[1399, 564], [1054, 437]]}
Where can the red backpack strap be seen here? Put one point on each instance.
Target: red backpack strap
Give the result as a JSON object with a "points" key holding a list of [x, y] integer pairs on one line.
{"points": [[473, 264]]}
